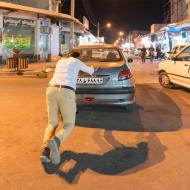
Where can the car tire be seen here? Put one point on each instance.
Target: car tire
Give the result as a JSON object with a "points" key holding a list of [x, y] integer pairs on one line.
{"points": [[164, 81], [130, 107], [77, 109]]}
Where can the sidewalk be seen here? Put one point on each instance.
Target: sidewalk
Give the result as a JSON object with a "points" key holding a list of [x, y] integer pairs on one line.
{"points": [[33, 70], [145, 72], [39, 69]]}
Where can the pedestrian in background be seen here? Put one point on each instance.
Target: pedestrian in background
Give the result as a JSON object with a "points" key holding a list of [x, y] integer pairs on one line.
{"points": [[143, 54], [158, 52], [151, 53], [60, 96]]}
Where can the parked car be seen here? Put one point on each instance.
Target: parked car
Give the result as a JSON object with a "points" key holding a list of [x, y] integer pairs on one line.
{"points": [[112, 82], [176, 70], [137, 52], [175, 50]]}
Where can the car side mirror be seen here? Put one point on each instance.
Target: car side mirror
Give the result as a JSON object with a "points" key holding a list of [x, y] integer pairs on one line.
{"points": [[174, 58], [178, 59], [130, 60]]}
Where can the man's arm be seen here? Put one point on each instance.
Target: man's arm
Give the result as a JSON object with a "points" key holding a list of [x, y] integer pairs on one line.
{"points": [[50, 69], [85, 68]]}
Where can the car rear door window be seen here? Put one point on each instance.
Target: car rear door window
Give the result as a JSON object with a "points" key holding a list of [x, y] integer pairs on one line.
{"points": [[100, 55], [184, 55]]}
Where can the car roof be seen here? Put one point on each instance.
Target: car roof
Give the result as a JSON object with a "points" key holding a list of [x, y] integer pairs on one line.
{"points": [[99, 46], [182, 49], [181, 46]]}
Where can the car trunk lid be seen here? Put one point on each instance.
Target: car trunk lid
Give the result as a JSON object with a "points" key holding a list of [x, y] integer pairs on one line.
{"points": [[105, 75]]}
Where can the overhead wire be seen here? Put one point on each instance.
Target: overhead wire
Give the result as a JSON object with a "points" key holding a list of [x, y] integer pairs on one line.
{"points": [[89, 12], [166, 11]]}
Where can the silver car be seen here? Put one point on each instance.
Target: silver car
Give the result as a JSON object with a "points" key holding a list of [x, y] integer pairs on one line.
{"points": [[112, 82]]}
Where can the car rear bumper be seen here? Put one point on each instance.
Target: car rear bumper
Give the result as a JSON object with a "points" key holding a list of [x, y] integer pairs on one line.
{"points": [[125, 90], [112, 97]]}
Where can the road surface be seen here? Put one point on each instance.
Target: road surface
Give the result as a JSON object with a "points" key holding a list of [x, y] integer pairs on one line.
{"points": [[109, 149]]}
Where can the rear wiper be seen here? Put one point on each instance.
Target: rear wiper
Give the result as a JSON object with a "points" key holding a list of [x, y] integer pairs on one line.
{"points": [[104, 61], [109, 60]]}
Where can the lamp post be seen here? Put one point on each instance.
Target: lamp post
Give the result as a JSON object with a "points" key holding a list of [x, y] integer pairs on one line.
{"points": [[121, 34], [120, 38], [72, 30], [108, 25]]}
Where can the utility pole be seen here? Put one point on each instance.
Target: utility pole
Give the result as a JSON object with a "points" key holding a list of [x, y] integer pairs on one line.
{"points": [[108, 25], [50, 5], [188, 7], [72, 30], [58, 4], [98, 31]]}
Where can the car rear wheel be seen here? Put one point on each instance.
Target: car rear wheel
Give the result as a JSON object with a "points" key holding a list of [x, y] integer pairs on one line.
{"points": [[164, 81]]}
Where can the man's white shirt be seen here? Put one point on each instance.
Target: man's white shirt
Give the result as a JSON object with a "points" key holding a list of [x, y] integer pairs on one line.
{"points": [[67, 70]]}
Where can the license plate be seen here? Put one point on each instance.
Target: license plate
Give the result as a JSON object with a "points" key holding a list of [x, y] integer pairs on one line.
{"points": [[94, 80]]}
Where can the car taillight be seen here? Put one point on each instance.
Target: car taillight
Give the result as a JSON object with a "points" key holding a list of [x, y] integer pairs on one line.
{"points": [[124, 75]]}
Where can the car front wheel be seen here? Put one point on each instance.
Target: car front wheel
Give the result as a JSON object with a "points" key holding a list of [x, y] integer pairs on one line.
{"points": [[130, 107], [164, 81]]}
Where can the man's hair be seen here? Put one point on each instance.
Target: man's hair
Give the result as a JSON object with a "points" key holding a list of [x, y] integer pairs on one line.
{"points": [[75, 54]]}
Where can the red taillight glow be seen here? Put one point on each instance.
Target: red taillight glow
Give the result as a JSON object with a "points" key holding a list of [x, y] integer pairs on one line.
{"points": [[124, 75]]}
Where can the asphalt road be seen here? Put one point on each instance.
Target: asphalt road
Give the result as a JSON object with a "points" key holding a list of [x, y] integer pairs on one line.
{"points": [[109, 149]]}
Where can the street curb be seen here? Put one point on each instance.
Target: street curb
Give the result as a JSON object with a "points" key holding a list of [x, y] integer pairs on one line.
{"points": [[38, 74]]}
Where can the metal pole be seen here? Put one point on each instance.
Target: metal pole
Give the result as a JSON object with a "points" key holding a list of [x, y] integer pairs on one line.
{"points": [[72, 30], [50, 5], [58, 3], [98, 31]]}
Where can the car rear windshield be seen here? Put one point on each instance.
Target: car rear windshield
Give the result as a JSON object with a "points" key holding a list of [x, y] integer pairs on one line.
{"points": [[100, 55]]}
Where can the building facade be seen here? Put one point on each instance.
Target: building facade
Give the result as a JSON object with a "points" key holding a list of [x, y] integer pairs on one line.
{"points": [[38, 34], [179, 10], [167, 36], [43, 4], [188, 8]]}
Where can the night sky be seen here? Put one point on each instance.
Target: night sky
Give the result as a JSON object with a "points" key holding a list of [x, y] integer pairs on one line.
{"points": [[125, 15]]}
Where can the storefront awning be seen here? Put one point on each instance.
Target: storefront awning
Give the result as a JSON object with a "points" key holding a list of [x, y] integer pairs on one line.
{"points": [[12, 6], [185, 23]]}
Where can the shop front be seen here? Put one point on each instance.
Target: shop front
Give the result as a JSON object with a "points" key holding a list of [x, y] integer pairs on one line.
{"points": [[171, 36], [64, 37], [18, 34], [1, 46], [64, 41], [44, 39]]}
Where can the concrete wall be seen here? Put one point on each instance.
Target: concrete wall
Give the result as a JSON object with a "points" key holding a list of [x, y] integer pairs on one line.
{"points": [[1, 26], [54, 42], [188, 8], [155, 27], [179, 10]]}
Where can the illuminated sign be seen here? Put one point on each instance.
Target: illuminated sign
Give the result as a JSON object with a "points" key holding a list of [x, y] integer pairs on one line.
{"points": [[17, 41], [9, 21]]}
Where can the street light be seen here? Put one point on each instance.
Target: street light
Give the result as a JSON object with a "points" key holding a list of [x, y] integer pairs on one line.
{"points": [[116, 42], [72, 29], [108, 25], [121, 33]]}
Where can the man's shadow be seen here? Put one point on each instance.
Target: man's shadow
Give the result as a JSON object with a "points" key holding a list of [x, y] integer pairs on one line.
{"points": [[155, 111], [122, 159], [113, 162]]}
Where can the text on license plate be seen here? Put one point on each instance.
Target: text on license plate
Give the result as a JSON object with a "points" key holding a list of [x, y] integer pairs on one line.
{"points": [[90, 81]]}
